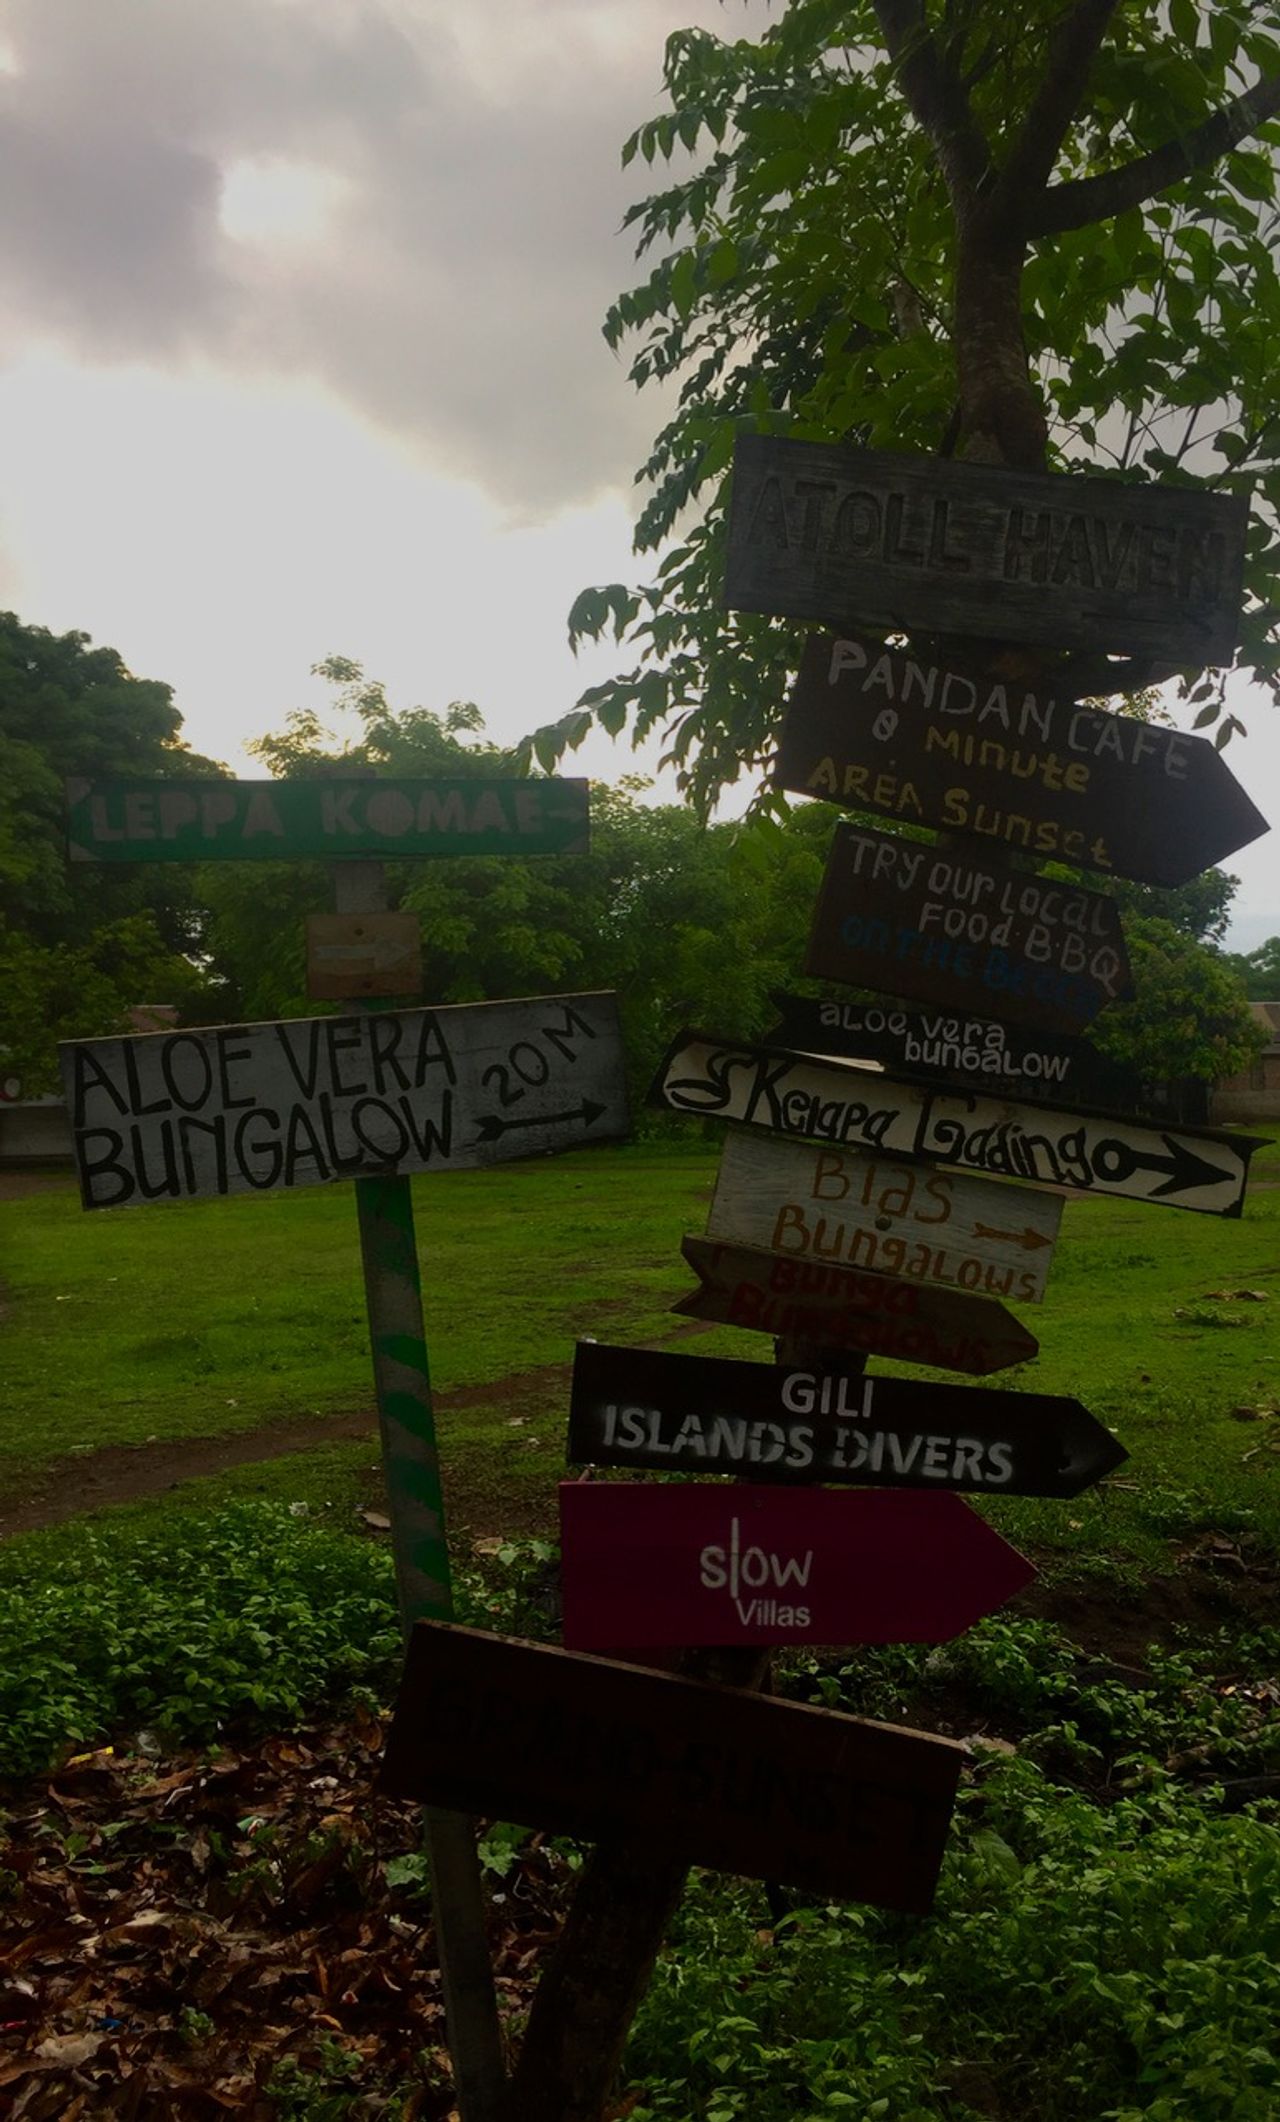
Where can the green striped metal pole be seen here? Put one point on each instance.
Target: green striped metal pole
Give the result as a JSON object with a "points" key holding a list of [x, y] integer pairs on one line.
{"points": [[402, 1380]]}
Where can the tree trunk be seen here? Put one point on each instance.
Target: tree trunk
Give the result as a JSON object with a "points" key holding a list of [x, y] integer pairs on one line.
{"points": [[1002, 420], [591, 1988]]}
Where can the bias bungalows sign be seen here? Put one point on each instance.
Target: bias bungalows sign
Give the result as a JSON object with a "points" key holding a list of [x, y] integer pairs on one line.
{"points": [[887, 1217], [853, 536], [251, 1107], [330, 820], [794, 1094], [935, 743], [718, 1775]]}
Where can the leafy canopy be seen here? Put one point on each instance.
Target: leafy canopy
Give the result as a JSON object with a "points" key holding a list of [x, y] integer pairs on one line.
{"points": [[828, 192]]}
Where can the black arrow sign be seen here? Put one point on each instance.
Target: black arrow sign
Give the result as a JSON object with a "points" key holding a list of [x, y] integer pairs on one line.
{"points": [[762, 1422], [945, 745], [492, 1125]]}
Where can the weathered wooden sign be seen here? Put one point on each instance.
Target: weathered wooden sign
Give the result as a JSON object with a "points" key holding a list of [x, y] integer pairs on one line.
{"points": [[955, 1048], [840, 1307], [250, 1107], [794, 1094], [966, 931], [724, 1777], [889, 1217], [852, 536], [332, 820], [772, 1422], [934, 744], [658, 1563], [349, 955]]}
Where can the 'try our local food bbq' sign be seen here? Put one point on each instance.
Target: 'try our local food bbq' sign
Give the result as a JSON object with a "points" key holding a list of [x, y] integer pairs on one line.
{"points": [[250, 1107]]}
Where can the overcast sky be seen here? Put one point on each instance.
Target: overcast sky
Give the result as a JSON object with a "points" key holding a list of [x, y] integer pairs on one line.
{"points": [[300, 348]]}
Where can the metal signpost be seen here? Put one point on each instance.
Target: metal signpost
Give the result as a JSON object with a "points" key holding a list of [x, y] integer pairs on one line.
{"points": [[635, 1407]]}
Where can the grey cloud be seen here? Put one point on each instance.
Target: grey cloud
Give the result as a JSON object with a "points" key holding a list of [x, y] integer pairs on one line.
{"points": [[459, 290]]}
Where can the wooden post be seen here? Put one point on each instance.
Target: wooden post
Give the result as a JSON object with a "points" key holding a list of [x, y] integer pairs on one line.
{"points": [[397, 1335]]}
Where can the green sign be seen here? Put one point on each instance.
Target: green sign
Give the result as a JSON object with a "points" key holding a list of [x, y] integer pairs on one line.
{"points": [[331, 820]]}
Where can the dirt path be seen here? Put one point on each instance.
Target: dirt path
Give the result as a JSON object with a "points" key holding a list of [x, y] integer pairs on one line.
{"points": [[83, 1481]]}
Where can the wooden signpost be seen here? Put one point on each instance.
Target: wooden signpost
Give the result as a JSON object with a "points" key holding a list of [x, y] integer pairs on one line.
{"points": [[711, 1775], [964, 930], [251, 1107], [839, 1307], [959, 1051], [331, 820], [891, 1218], [645, 1563], [351, 956], [931, 743], [821, 531], [793, 1094], [635, 1407]]}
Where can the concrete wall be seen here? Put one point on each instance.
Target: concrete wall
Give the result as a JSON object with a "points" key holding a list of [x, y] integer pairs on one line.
{"points": [[34, 1134]]}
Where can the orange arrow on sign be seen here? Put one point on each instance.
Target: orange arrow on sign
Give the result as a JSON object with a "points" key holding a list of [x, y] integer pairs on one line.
{"points": [[1029, 1239]]}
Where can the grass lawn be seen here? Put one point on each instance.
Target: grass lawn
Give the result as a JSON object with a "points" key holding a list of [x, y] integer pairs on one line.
{"points": [[216, 1318]]}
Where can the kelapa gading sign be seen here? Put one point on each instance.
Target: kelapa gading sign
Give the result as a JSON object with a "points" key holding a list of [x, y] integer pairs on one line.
{"points": [[793, 1094], [250, 1107], [965, 931], [331, 820], [861, 537], [931, 743]]}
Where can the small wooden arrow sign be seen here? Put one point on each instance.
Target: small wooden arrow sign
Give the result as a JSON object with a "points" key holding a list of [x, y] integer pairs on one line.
{"points": [[771, 1422], [879, 1315], [889, 1217], [738, 1781], [855, 536], [937, 744], [657, 1563], [958, 1050], [794, 1094], [966, 931]]}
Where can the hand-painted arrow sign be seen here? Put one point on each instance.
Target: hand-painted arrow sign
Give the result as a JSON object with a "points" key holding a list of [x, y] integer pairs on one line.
{"points": [[657, 1563], [332, 820], [854, 536], [769, 1422], [879, 1315], [891, 1218], [738, 1781], [792, 1094], [931, 744], [249, 1107], [965, 930], [958, 1050]]}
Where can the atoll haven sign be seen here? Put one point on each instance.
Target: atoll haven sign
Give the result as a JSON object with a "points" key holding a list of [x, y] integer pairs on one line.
{"points": [[937, 744], [942, 1228], [853, 1108], [775, 1422], [718, 1775], [331, 820], [863, 537], [953, 1047], [250, 1107], [844, 1308], [965, 930], [658, 1564]]}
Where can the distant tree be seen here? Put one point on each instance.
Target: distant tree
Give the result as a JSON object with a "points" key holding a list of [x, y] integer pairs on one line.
{"points": [[1259, 970], [1189, 1016], [78, 943]]}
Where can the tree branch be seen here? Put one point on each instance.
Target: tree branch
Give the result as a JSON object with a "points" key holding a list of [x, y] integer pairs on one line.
{"points": [[937, 99], [1085, 200], [1072, 49]]}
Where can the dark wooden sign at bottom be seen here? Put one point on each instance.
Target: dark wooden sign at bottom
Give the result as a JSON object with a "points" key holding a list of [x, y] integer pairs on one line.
{"points": [[736, 1781]]}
